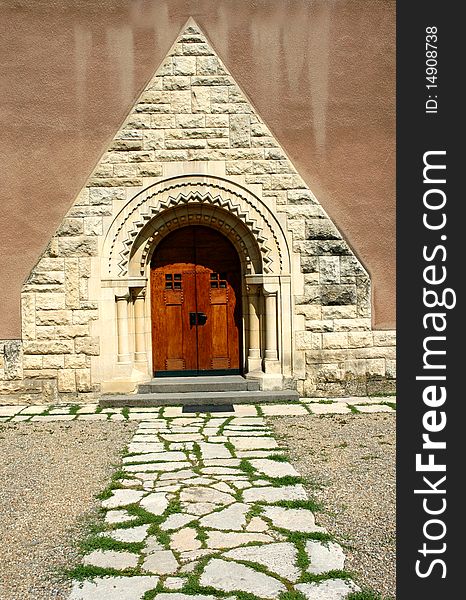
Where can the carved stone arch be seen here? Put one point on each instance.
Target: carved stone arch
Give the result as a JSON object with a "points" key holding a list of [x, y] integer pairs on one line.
{"points": [[123, 239], [195, 213], [256, 233]]}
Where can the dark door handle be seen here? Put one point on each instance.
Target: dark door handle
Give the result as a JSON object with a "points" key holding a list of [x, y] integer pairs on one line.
{"points": [[199, 318]]}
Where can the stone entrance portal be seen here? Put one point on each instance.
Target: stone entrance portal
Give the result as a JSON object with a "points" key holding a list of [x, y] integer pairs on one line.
{"points": [[188, 242]]}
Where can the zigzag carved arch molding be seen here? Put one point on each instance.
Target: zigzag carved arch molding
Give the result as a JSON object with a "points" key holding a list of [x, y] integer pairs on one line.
{"points": [[195, 213], [216, 202]]}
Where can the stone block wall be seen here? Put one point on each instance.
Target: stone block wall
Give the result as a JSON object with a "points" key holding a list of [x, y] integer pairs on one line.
{"points": [[193, 113]]}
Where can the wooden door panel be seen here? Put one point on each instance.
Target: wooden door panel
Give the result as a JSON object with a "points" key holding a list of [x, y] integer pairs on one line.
{"points": [[173, 339], [204, 332], [220, 349], [218, 339]]}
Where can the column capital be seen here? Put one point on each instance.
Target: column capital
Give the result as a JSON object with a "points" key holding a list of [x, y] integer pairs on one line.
{"points": [[121, 295], [139, 293], [269, 290], [253, 288]]}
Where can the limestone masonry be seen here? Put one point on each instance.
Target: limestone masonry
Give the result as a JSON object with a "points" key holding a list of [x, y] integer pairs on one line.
{"points": [[194, 151]]}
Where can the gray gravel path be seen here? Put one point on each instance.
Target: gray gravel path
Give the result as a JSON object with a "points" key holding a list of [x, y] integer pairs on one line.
{"points": [[353, 456], [49, 474]]}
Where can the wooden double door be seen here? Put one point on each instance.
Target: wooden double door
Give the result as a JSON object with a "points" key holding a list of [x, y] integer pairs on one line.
{"points": [[196, 304]]}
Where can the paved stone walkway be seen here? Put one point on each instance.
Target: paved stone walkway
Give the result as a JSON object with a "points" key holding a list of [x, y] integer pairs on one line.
{"points": [[207, 506], [91, 412], [204, 507]]}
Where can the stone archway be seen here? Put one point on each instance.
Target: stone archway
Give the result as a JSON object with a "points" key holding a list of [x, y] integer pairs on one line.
{"points": [[258, 238]]}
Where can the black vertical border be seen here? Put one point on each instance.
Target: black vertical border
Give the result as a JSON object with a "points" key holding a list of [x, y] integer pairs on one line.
{"points": [[418, 132]]}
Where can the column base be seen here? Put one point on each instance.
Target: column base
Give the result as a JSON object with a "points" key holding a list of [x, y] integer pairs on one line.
{"points": [[254, 364], [124, 359], [140, 362], [272, 381], [255, 374], [267, 381], [118, 386], [272, 366]]}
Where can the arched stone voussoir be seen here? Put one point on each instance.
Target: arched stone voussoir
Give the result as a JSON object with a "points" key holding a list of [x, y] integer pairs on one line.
{"points": [[219, 203], [194, 213]]}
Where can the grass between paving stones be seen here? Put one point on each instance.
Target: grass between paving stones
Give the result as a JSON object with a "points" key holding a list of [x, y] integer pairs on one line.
{"points": [[201, 533], [298, 539], [260, 412], [82, 572], [278, 458], [293, 595], [367, 595], [284, 481], [309, 504], [247, 467], [101, 542], [352, 408], [254, 475], [197, 453], [125, 412], [193, 586], [229, 446], [301, 537], [392, 405], [254, 511], [227, 421], [335, 574]]}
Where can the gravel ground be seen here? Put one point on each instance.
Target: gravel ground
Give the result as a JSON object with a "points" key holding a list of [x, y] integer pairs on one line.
{"points": [[49, 475], [353, 458]]}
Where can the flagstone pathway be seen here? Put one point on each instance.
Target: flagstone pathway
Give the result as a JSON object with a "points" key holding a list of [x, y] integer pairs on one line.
{"points": [[207, 507]]}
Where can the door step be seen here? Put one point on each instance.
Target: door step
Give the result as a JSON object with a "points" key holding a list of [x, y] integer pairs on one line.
{"points": [[181, 385], [198, 398]]}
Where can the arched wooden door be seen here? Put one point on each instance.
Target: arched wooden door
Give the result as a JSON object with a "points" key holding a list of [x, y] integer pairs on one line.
{"points": [[196, 304]]}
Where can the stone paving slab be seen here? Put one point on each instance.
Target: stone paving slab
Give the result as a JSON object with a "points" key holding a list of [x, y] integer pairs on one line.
{"points": [[210, 527], [373, 408], [229, 576], [331, 589], [329, 409], [113, 588]]}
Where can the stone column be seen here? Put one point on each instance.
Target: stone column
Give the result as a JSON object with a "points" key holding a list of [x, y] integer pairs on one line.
{"points": [[139, 320], [271, 363], [254, 349], [122, 327]]}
